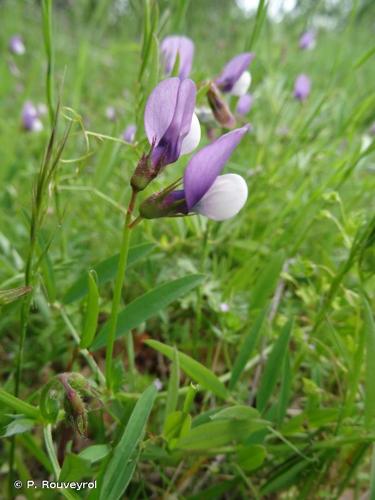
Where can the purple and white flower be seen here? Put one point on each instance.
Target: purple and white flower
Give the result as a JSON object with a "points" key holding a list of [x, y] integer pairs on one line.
{"points": [[307, 40], [205, 191], [235, 79], [31, 118], [110, 113], [129, 133], [178, 46], [171, 125], [302, 87], [16, 45], [244, 104]]}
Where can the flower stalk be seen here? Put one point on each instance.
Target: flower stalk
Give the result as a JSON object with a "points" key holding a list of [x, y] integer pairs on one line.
{"points": [[119, 282]]}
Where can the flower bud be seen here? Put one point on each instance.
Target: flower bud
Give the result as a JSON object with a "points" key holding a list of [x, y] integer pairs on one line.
{"points": [[219, 107], [144, 173], [167, 203]]}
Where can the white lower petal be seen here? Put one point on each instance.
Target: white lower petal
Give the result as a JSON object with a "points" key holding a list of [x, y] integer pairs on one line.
{"points": [[193, 138], [242, 84], [37, 125], [224, 199]]}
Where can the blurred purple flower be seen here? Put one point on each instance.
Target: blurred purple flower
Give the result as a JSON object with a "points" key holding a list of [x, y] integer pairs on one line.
{"points": [[244, 104], [171, 125], [181, 46], [30, 118], [235, 78], [110, 113], [129, 133], [205, 191], [372, 129], [307, 40], [16, 45], [302, 87]]}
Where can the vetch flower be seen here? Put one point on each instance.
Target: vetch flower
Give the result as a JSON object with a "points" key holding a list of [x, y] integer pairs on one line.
{"points": [[244, 104], [235, 79], [178, 46], [30, 118], [171, 125], [307, 40], [205, 191], [129, 133], [302, 87], [16, 45]]}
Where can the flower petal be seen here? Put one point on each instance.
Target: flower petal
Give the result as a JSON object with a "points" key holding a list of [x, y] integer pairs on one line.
{"points": [[193, 138], [233, 70], [207, 164], [184, 47], [242, 84], [244, 104], [224, 199], [160, 108], [168, 149]]}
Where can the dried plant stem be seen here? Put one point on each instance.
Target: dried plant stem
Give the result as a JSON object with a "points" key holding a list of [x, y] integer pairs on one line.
{"points": [[124, 250]]}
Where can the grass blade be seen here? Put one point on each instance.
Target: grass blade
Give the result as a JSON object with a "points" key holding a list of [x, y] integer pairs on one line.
{"points": [[119, 470]]}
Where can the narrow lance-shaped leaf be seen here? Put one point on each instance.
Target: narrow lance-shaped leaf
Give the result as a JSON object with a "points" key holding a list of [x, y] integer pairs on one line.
{"points": [[174, 381], [247, 348], [195, 370], [119, 470], [92, 312], [148, 305], [369, 332], [273, 367]]}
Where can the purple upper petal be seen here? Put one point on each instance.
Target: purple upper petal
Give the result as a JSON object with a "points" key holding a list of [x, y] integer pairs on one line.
{"points": [[207, 164], [307, 40], [182, 46], [168, 116], [302, 87], [233, 70], [244, 104]]}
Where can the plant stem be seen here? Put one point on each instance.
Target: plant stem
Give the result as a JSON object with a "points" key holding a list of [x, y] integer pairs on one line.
{"points": [[198, 314], [47, 433], [124, 249], [47, 34]]}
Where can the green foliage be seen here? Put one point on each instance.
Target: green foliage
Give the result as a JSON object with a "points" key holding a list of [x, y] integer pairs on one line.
{"points": [[266, 374]]}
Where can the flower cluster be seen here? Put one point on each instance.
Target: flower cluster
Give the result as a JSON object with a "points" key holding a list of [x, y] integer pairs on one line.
{"points": [[173, 129]]}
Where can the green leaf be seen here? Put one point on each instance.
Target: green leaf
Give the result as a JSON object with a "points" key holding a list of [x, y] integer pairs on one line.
{"points": [[13, 294], [219, 433], [121, 465], [18, 426], [267, 281], [369, 332], [95, 453], [74, 468], [92, 312], [251, 457], [105, 271], [173, 384], [247, 348], [148, 305], [195, 370], [273, 367], [237, 412], [177, 424]]}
